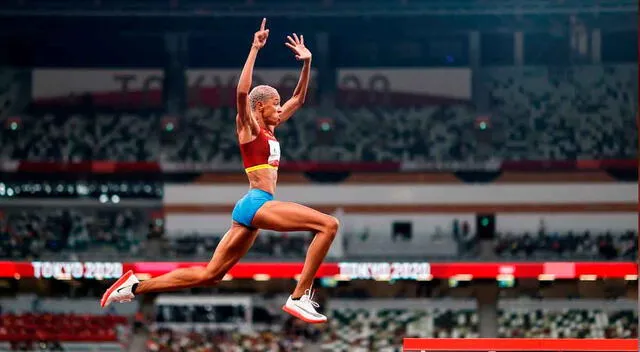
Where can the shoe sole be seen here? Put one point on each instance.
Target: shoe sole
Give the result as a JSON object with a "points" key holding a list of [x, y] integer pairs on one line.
{"points": [[120, 281], [299, 316]]}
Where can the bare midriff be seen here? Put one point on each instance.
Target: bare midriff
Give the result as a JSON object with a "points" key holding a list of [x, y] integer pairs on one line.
{"points": [[264, 179]]}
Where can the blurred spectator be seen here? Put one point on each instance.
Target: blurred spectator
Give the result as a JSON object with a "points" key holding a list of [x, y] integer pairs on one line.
{"points": [[154, 245]]}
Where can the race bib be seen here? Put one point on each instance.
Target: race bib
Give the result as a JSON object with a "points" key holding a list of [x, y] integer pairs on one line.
{"points": [[274, 152]]}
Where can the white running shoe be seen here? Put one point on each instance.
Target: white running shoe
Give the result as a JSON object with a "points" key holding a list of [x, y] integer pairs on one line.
{"points": [[304, 308], [121, 291]]}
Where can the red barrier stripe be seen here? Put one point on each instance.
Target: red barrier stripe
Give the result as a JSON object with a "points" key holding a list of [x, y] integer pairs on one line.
{"points": [[516, 345]]}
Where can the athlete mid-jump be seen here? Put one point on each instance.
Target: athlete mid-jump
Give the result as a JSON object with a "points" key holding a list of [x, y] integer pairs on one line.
{"points": [[259, 113]]}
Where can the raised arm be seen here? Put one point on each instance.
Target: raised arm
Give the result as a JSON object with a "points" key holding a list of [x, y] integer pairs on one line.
{"points": [[300, 93], [244, 119]]}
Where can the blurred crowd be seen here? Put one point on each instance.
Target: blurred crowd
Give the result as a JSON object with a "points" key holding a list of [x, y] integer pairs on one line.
{"points": [[572, 323], [76, 233], [268, 244], [383, 330], [293, 336], [33, 232], [35, 331], [607, 245], [356, 329], [537, 114]]}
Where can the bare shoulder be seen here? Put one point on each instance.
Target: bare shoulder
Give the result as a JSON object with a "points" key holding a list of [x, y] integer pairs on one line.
{"points": [[244, 132]]}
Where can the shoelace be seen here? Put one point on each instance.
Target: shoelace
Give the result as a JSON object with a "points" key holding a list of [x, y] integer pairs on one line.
{"points": [[308, 297]]}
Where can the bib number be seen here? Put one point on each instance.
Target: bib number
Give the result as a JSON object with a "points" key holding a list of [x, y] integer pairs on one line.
{"points": [[274, 152]]}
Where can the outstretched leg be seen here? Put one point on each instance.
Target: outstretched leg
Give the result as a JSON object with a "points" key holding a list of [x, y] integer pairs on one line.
{"points": [[287, 217], [233, 246]]}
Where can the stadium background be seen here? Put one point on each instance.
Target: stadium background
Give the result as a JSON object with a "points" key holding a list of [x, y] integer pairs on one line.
{"points": [[481, 156]]}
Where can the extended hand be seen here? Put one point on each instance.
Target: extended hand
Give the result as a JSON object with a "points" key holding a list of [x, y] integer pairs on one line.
{"points": [[297, 46], [260, 37]]}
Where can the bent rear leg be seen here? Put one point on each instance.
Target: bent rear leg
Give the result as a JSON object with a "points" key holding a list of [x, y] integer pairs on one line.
{"points": [[287, 217]]}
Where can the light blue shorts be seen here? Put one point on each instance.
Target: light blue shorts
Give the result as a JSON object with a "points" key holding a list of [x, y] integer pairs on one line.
{"points": [[247, 207]]}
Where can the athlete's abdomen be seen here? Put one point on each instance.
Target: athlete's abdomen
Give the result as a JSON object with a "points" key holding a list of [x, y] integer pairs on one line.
{"points": [[264, 179]]}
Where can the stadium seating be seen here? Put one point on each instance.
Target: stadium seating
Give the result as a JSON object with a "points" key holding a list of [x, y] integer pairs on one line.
{"points": [[383, 329], [573, 113], [29, 323], [538, 114], [31, 303], [76, 233], [379, 325], [275, 333], [268, 244], [42, 232], [60, 327], [231, 341], [568, 323], [585, 245]]}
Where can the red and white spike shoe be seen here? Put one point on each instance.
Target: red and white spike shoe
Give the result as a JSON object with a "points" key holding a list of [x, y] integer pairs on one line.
{"points": [[121, 291]]}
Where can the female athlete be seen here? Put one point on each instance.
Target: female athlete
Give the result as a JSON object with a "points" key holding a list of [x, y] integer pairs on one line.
{"points": [[259, 113]]}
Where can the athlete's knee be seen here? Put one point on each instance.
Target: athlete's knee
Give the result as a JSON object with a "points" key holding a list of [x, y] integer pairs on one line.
{"points": [[331, 225], [211, 277]]}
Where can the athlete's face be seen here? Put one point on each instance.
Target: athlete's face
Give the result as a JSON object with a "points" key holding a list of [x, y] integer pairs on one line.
{"points": [[271, 110]]}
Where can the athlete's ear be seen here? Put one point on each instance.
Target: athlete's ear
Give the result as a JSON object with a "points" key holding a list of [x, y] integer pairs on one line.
{"points": [[259, 106]]}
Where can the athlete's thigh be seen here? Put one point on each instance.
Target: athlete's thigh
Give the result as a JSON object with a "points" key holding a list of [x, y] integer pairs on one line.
{"points": [[233, 246], [287, 216]]}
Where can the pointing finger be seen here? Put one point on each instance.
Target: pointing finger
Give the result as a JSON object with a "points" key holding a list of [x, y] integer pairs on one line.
{"points": [[296, 37], [264, 23]]}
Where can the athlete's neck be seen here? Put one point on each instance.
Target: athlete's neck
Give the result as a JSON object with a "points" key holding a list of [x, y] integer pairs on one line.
{"points": [[261, 122]]}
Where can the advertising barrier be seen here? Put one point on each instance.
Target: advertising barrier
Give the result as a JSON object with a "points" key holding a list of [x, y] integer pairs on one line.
{"points": [[337, 270]]}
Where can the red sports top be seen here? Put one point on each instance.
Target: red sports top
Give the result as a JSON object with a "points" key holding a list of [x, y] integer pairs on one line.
{"points": [[261, 153]]}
